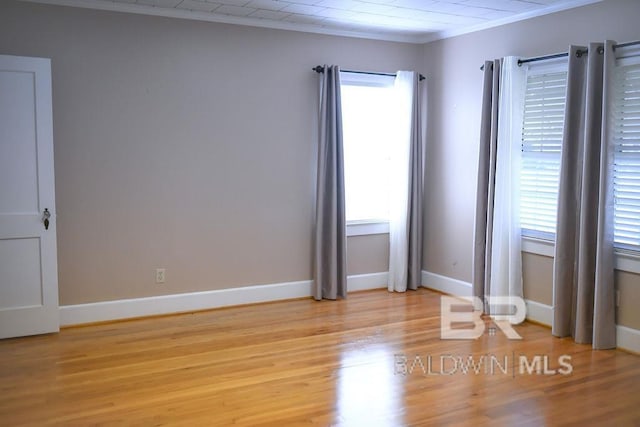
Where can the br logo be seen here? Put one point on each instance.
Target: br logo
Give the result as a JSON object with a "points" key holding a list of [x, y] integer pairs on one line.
{"points": [[468, 311]]}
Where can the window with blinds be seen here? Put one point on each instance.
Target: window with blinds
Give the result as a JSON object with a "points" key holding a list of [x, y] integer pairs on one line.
{"points": [[541, 146], [626, 141]]}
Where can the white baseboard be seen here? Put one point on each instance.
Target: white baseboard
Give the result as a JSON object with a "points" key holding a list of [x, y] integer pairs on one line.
{"points": [[446, 285], [166, 304], [194, 301], [363, 282], [539, 313], [626, 338]]}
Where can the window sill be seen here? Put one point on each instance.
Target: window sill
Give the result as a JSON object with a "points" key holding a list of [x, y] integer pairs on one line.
{"points": [[629, 262], [357, 228], [536, 246], [623, 261]]}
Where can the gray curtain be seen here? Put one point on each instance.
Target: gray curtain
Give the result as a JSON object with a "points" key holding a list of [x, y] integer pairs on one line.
{"points": [[330, 270], [414, 212], [485, 193], [583, 279]]}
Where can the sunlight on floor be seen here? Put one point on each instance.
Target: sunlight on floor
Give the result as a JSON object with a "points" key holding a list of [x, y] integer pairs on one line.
{"points": [[369, 393]]}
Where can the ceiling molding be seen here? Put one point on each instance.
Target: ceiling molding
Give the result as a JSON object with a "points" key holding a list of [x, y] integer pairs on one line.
{"points": [[226, 19], [307, 28]]}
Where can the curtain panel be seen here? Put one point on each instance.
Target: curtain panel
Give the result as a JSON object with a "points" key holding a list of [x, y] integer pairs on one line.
{"points": [[330, 243], [405, 225], [486, 177], [497, 270], [583, 275]]}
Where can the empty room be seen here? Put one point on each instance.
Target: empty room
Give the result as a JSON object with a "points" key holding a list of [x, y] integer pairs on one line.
{"points": [[319, 212]]}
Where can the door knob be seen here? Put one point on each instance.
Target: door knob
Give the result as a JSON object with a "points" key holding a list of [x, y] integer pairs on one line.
{"points": [[45, 218]]}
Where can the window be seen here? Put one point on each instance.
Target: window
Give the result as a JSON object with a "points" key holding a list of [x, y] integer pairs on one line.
{"points": [[541, 146], [367, 109], [626, 142]]}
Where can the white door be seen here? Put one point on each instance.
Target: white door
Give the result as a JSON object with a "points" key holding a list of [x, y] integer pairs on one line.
{"points": [[28, 258]]}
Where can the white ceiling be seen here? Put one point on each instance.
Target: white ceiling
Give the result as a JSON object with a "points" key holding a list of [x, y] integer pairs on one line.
{"points": [[415, 21]]}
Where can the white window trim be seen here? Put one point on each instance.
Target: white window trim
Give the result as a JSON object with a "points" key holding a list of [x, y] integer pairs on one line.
{"points": [[626, 261], [537, 246], [367, 228], [629, 55], [365, 79]]}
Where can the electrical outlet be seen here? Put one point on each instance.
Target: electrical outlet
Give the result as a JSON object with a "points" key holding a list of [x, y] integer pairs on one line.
{"points": [[160, 275]]}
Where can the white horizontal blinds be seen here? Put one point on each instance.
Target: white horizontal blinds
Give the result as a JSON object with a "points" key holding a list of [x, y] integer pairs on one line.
{"points": [[626, 139], [541, 146]]}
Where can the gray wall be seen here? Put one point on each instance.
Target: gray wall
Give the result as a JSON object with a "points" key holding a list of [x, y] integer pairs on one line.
{"points": [[190, 145], [185, 145], [455, 89]]}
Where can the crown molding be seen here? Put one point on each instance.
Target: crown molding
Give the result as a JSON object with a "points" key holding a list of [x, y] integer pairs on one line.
{"points": [[306, 28], [227, 19]]}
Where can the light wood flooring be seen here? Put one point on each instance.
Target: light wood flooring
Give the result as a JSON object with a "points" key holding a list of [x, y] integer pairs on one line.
{"points": [[363, 361]]}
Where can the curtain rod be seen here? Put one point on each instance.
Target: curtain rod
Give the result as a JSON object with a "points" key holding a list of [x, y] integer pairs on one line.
{"points": [[552, 56], [560, 55], [579, 53], [320, 69], [615, 46]]}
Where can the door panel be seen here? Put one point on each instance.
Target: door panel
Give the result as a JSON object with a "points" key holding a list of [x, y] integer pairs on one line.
{"points": [[18, 146], [28, 259], [20, 266]]}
